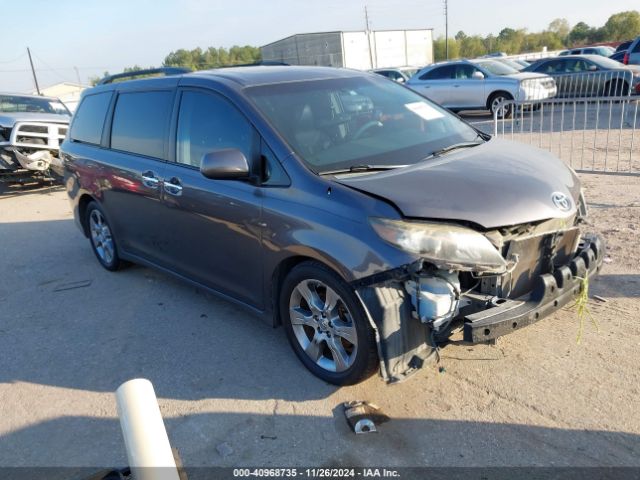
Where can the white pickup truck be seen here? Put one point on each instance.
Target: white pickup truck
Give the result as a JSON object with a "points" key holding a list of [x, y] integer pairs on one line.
{"points": [[31, 131]]}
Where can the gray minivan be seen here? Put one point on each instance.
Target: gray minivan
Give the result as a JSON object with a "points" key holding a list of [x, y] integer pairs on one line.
{"points": [[365, 219]]}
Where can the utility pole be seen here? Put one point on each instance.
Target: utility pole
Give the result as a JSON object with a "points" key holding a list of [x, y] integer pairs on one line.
{"points": [[33, 70], [368, 32], [446, 28]]}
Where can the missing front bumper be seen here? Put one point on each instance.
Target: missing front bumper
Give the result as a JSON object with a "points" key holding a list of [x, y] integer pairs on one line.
{"points": [[551, 292]]}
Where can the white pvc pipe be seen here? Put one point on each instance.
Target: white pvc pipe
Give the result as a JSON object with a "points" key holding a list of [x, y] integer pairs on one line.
{"points": [[148, 449]]}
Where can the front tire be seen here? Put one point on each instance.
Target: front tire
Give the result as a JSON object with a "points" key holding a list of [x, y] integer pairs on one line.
{"points": [[494, 104], [326, 325], [101, 237]]}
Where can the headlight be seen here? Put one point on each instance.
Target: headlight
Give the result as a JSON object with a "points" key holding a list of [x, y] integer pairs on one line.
{"points": [[445, 245]]}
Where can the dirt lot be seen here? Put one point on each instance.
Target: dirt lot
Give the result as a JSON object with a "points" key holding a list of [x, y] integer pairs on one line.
{"points": [[232, 393]]}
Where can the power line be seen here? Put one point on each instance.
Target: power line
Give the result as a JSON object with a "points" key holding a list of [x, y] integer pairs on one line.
{"points": [[15, 59]]}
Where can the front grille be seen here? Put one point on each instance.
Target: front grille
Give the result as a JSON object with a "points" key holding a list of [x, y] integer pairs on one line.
{"points": [[38, 135], [34, 129], [534, 253]]}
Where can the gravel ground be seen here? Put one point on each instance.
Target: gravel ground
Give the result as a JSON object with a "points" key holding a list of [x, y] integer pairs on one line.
{"points": [[232, 393]]}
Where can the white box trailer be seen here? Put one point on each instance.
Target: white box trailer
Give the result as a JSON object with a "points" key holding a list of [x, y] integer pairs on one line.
{"points": [[359, 50]]}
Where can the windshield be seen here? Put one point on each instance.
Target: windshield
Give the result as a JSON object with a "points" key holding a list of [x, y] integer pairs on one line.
{"points": [[340, 123], [17, 103], [496, 67]]}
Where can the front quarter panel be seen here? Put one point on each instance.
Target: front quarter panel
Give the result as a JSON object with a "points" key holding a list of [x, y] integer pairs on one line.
{"points": [[327, 222]]}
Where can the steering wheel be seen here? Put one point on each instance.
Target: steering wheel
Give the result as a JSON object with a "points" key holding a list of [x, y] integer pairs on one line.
{"points": [[367, 126]]}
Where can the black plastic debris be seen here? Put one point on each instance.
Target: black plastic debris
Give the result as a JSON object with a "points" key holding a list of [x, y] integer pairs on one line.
{"points": [[363, 417]]}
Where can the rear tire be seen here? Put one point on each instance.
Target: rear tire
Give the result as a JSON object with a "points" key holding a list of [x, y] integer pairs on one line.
{"points": [[616, 88], [101, 238], [494, 104], [326, 325]]}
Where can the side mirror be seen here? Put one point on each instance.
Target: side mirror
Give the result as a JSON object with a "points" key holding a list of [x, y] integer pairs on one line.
{"points": [[592, 68], [477, 75], [400, 80], [226, 164]]}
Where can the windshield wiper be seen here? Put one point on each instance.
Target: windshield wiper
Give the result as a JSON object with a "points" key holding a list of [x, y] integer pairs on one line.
{"points": [[450, 148], [361, 168]]}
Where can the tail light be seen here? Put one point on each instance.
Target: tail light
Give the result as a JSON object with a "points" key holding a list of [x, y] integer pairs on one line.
{"points": [[625, 59]]}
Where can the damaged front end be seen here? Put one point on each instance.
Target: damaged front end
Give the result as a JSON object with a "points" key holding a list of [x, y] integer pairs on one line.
{"points": [[489, 284], [32, 148]]}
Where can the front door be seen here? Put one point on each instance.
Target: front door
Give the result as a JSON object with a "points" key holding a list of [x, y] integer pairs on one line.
{"points": [[212, 227]]}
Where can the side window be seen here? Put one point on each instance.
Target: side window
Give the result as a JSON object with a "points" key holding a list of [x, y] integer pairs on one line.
{"points": [[439, 73], [140, 122], [548, 67], [464, 72], [636, 48], [89, 119], [208, 122]]}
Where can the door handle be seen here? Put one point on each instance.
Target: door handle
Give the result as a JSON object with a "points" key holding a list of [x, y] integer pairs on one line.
{"points": [[456, 86], [173, 186], [149, 179]]}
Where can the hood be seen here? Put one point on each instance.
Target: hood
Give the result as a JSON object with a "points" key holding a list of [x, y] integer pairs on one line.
{"points": [[9, 119], [496, 184]]}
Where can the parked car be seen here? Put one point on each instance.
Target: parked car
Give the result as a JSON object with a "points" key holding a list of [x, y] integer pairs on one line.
{"points": [[367, 233], [624, 46], [31, 129], [522, 62], [619, 56], [483, 84], [400, 75], [511, 63], [632, 56], [589, 75], [595, 50]]}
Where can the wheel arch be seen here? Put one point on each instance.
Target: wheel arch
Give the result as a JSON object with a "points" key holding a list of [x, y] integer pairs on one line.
{"points": [[497, 92], [83, 202], [282, 269]]}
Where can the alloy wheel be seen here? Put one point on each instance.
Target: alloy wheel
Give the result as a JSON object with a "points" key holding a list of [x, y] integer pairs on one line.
{"points": [[101, 236], [323, 326]]}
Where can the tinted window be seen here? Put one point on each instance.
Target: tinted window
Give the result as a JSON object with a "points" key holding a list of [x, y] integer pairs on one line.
{"points": [[439, 73], [636, 48], [552, 66], [89, 118], [208, 122], [464, 72], [139, 122]]}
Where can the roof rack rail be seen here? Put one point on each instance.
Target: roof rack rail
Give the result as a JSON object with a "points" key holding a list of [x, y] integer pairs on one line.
{"points": [[259, 63], [150, 71]]}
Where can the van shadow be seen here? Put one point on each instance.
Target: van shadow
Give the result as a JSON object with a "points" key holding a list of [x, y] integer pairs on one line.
{"points": [[67, 322], [265, 440]]}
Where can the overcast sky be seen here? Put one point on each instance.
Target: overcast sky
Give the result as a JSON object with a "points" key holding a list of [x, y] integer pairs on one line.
{"points": [[95, 36]]}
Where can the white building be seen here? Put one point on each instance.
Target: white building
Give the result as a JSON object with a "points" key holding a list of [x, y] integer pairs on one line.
{"points": [[360, 50], [68, 92]]}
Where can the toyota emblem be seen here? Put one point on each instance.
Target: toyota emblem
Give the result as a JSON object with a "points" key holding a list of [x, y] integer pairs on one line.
{"points": [[561, 201]]}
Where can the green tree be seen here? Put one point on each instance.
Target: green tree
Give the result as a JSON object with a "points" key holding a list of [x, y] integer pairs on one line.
{"points": [[580, 33], [439, 49], [561, 27], [472, 47], [622, 26]]}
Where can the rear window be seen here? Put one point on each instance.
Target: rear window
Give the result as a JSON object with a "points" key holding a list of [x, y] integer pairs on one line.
{"points": [[139, 122], [88, 120]]}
